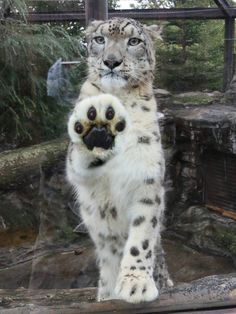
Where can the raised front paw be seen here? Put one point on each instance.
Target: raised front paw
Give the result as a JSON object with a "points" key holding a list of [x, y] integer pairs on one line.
{"points": [[136, 287], [97, 120]]}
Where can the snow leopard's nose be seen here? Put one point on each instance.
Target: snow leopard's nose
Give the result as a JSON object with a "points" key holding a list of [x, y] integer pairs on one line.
{"points": [[112, 62]]}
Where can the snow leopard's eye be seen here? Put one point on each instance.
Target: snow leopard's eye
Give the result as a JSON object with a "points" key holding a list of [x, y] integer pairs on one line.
{"points": [[92, 113], [120, 126], [110, 113], [78, 127], [134, 41], [99, 40]]}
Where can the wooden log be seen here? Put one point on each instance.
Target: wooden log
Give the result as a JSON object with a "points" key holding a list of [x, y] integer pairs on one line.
{"points": [[21, 165], [225, 213], [213, 292]]}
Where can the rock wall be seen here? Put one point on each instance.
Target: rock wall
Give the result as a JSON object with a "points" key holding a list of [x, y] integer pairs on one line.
{"points": [[190, 132]]}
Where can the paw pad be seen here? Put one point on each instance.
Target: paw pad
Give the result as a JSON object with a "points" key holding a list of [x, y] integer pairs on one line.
{"points": [[120, 126], [78, 127], [92, 113], [136, 287], [98, 120], [110, 113]]}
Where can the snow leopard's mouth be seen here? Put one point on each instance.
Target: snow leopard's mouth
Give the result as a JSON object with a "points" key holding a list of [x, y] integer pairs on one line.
{"points": [[99, 136], [116, 75]]}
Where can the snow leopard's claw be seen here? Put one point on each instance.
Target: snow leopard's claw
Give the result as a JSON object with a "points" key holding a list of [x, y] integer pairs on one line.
{"points": [[136, 288], [97, 120]]}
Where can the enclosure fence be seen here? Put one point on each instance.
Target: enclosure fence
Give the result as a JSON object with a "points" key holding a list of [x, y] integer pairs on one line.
{"points": [[98, 9]]}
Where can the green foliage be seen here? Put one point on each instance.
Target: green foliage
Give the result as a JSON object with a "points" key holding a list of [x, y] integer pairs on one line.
{"points": [[60, 5], [227, 239], [193, 3], [27, 114], [113, 4], [152, 4], [199, 99], [190, 57], [13, 6]]}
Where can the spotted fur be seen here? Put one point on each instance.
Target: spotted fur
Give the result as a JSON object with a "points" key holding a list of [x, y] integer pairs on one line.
{"points": [[118, 176]]}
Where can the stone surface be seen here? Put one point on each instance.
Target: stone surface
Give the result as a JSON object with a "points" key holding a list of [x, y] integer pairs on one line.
{"points": [[230, 95], [162, 93], [212, 293], [19, 209], [45, 213], [35, 265], [189, 99], [196, 131], [47, 201], [207, 231]]}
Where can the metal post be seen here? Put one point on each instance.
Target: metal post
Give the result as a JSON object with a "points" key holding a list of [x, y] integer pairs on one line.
{"points": [[96, 10], [224, 6], [228, 52]]}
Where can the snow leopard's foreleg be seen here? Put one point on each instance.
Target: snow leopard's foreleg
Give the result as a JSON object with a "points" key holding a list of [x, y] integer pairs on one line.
{"points": [[109, 253], [108, 248], [95, 126], [160, 272], [145, 164]]}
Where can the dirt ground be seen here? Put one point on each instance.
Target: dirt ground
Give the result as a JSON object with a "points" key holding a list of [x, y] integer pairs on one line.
{"points": [[25, 262]]}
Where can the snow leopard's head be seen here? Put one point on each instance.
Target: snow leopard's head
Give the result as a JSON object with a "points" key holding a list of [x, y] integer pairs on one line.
{"points": [[121, 52]]}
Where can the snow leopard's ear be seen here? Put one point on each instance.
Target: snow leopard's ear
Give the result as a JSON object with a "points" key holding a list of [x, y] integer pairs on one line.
{"points": [[154, 31], [92, 27]]}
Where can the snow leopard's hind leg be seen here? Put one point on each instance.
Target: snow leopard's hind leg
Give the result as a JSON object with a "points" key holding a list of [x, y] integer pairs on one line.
{"points": [[109, 262], [161, 273]]}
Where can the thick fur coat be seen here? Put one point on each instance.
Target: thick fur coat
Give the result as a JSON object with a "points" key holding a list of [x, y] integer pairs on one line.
{"points": [[115, 160]]}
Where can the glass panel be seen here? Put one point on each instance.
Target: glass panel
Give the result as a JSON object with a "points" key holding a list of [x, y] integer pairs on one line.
{"points": [[49, 64]]}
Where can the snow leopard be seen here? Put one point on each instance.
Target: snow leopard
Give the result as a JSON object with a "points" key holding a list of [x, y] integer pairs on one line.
{"points": [[115, 160]]}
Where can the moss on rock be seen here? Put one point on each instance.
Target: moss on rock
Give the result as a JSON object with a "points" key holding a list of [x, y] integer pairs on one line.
{"points": [[192, 99], [227, 239]]}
